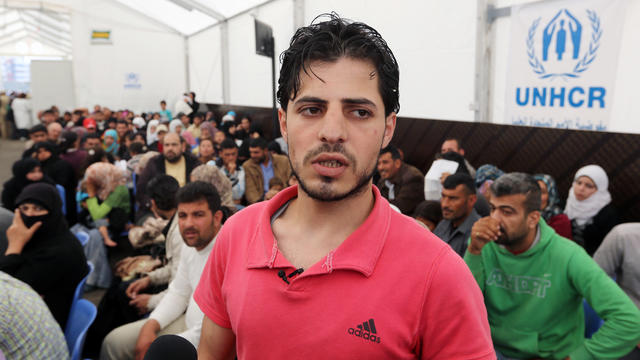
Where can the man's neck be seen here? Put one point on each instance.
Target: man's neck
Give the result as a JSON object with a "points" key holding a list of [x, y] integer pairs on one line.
{"points": [[200, 248], [267, 160], [339, 218], [457, 222]]}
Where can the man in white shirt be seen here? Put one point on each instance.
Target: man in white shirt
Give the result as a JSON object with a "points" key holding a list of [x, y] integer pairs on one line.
{"points": [[199, 219]]}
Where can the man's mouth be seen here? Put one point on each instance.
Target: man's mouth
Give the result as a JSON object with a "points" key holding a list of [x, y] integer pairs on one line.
{"points": [[330, 163]]}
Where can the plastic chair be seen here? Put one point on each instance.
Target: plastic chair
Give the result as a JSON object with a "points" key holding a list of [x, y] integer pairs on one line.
{"points": [[82, 315], [83, 237], [77, 295], [592, 321], [63, 197]]}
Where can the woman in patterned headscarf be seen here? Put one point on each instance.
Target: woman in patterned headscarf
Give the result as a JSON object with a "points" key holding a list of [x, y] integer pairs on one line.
{"points": [[110, 140], [108, 197], [550, 206], [214, 176]]}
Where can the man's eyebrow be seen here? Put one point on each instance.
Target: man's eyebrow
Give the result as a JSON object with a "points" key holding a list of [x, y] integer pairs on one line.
{"points": [[359, 101], [506, 207], [311, 99]]}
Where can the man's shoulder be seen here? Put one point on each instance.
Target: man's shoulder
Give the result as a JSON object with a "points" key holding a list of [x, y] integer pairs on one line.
{"points": [[280, 160], [412, 172]]}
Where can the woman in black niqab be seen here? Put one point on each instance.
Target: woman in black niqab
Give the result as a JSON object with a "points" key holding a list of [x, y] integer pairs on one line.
{"points": [[13, 187], [52, 261]]}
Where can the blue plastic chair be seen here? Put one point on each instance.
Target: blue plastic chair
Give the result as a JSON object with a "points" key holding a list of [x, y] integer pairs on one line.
{"points": [[592, 322], [63, 197], [82, 315], [83, 237], [77, 295]]}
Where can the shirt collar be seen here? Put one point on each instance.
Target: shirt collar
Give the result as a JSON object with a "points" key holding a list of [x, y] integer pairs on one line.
{"points": [[360, 251]]}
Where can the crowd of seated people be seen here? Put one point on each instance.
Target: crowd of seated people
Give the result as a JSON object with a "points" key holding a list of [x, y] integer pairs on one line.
{"points": [[152, 191]]}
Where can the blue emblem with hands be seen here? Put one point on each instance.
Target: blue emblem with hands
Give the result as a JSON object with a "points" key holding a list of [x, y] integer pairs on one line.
{"points": [[561, 45]]}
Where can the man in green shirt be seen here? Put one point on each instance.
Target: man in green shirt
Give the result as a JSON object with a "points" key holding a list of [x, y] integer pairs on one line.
{"points": [[534, 281]]}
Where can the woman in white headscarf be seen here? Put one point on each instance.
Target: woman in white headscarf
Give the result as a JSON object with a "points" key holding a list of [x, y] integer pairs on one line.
{"points": [[175, 126], [589, 207], [152, 136]]}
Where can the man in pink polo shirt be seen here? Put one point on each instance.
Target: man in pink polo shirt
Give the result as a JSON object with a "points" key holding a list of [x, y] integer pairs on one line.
{"points": [[327, 270]]}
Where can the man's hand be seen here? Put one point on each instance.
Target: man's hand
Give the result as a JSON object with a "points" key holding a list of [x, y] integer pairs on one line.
{"points": [[137, 286], [18, 235], [141, 302], [231, 167], [483, 231], [444, 177], [148, 334]]}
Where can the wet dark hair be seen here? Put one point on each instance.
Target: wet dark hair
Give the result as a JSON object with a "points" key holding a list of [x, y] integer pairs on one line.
{"points": [[452, 182], [330, 40], [199, 190], [37, 128], [519, 183], [163, 189], [395, 154]]}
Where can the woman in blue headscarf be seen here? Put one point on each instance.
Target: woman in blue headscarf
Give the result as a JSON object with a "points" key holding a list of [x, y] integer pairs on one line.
{"points": [[110, 140], [550, 206]]}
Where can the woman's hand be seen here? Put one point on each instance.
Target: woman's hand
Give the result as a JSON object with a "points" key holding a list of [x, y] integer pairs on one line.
{"points": [[18, 235]]}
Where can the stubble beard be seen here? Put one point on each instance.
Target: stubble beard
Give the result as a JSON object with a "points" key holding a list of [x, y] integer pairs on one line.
{"points": [[324, 192]]}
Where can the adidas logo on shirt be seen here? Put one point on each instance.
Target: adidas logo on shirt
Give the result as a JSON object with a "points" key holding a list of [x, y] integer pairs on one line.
{"points": [[366, 330]]}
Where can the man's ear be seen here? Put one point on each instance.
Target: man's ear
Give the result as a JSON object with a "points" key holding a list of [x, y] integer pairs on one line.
{"points": [[217, 217], [282, 119], [532, 219], [389, 128], [461, 151]]}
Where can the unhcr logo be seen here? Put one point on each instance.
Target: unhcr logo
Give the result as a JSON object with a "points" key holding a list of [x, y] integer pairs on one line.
{"points": [[563, 48]]}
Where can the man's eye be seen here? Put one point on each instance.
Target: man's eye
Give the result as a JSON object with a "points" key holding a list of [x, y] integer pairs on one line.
{"points": [[362, 113], [310, 111]]}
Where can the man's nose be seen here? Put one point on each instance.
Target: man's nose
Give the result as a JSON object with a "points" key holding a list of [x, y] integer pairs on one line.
{"points": [[333, 128]]}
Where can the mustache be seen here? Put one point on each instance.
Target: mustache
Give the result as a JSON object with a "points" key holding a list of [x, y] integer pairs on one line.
{"points": [[337, 148], [190, 229]]}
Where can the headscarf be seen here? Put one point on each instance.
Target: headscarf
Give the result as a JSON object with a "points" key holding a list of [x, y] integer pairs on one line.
{"points": [[212, 175], [553, 208], [487, 172], [113, 148], [53, 261], [152, 135], [188, 137], [175, 123], [206, 125], [138, 122], [144, 160], [585, 210], [13, 187], [106, 177]]}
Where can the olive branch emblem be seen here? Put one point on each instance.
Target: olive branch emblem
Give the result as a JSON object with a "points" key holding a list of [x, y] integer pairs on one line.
{"points": [[581, 66]]}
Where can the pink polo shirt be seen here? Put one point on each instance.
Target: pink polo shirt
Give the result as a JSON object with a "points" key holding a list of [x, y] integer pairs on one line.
{"points": [[391, 290]]}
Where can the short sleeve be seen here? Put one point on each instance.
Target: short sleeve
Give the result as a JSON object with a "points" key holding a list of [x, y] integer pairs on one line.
{"points": [[208, 294], [454, 323]]}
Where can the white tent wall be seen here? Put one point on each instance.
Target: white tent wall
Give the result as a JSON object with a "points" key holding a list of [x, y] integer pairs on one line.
{"points": [[249, 74], [52, 84], [625, 111], [140, 46], [434, 44], [205, 66]]}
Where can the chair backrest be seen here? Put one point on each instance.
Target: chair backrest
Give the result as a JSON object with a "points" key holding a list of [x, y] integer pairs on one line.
{"points": [[592, 321], [83, 237], [63, 197], [77, 295], [82, 315]]}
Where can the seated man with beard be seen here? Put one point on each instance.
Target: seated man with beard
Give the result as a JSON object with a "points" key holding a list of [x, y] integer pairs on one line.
{"points": [[534, 282]]}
